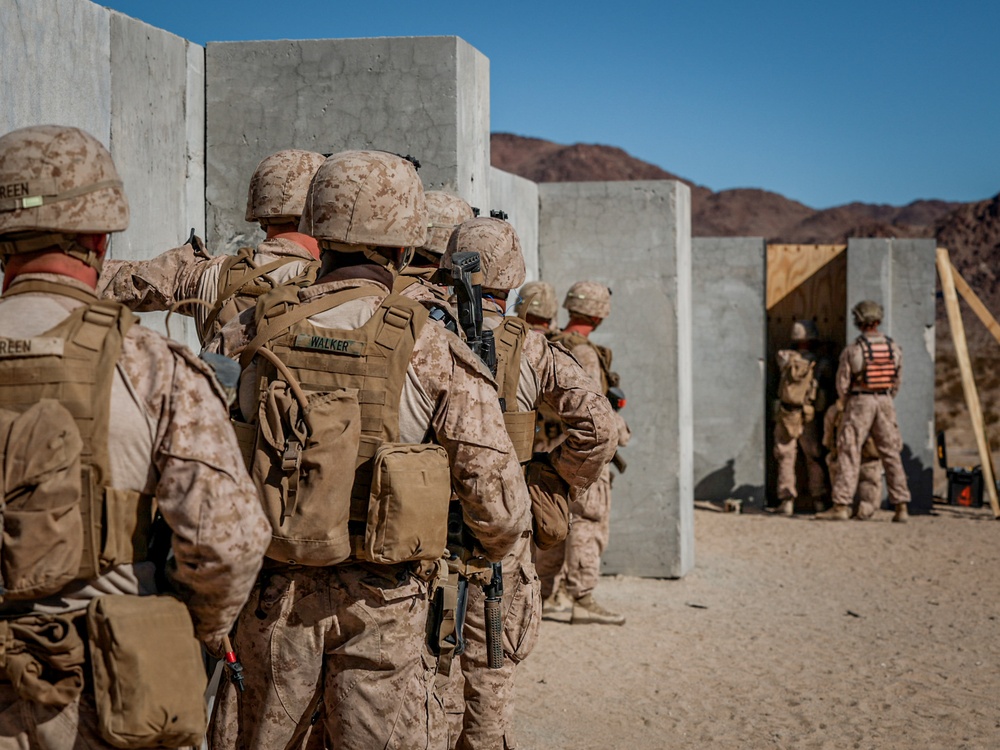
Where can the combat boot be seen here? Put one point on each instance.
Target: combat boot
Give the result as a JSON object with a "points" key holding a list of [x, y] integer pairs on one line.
{"points": [[835, 513], [787, 507], [902, 515], [558, 607], [587, 611]]}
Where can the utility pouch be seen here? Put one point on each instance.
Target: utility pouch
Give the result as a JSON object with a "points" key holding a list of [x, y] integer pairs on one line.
{"points": [[246, 437], [148, 690], [42, 521], [549, 503], [408, 505], [303, 468], [521, 428]]}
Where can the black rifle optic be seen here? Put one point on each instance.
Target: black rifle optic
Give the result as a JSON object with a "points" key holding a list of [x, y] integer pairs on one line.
{"points": [[498, 214]]}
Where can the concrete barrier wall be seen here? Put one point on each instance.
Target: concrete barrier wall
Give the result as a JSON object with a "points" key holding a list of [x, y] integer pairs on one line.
{"points": [[636, 237], [518, 197], [136, 88], [427, 96], [728, 281], [900, 274]]}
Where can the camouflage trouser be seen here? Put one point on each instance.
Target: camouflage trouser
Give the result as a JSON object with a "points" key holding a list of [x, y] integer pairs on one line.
{"points": [[479, 700], [26, 724], [577, 561], [868, 498], [344, 646], [789, 434], [869, 414]]}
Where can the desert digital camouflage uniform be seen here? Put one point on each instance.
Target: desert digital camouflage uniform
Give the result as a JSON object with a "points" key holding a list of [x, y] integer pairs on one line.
{"points": [[869, 411], [346, 645], [573, 568], [869, 493], [479, 701], [169, 436], [276, 196]]}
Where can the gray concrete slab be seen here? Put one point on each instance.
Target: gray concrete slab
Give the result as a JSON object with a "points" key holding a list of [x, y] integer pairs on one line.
{"points": [[900, 274], [424, 96], [156, 105], [518, 198], [729, 330], [636, 237], [55, 66]]}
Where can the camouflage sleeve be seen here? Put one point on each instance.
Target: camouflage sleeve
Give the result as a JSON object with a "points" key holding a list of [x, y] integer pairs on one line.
{"points": [[844, 374], [624, 431], [204, 493], [590, 363], [156, 284], [467, 421], [897, 353], [591, 431]]}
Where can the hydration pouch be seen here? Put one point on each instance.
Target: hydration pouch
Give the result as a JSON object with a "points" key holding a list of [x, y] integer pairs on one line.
{"points": [[42, 522], [304, 471], [408, 505], [148, 673], [549, 494]]}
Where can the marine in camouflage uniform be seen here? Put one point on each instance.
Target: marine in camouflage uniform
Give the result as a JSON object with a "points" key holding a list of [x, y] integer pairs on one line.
{"points": [[868, 378], [345, 645], [869, 494], [228, 284], [797, 425], [569, 572], [538, 305], [531, 371], [168, 433]]}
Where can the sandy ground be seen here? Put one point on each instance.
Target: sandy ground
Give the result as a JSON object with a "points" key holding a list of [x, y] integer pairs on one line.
{"points": [[788, 633]]}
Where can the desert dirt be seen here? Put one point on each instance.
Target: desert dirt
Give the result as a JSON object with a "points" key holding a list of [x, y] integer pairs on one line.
{"points": [[788, 633]]}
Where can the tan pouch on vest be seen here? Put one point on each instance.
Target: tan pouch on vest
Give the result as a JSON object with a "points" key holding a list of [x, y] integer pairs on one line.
{"points": [[149, 677], [521, 428], [246, 437], [42, 541], [408, 507], [549, 504], [302, 467]]}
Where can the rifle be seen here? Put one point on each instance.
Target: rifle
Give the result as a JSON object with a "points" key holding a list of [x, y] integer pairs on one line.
{"points": [[467, 279]]}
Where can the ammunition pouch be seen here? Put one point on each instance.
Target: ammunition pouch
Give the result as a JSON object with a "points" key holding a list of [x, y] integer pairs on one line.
{"points": [[148, 673]]}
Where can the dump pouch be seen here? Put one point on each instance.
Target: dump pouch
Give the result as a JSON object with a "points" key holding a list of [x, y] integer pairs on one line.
{"points": [[549, 494], [148, 691], [408, 506], [299, 470]]}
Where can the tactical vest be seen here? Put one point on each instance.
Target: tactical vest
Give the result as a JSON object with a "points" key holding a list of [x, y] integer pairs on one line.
{"points": [[70, 369], [393, 506], [571, 340], [510, 336], [797, 386], [242, 281], [879, 372]]}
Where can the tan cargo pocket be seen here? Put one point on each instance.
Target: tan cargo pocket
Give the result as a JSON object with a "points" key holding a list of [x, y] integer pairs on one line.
{"points": [[40, 475], [791, 422], [149, 678], [521, 428], [304, 471], [521, 623], [408, 507], [549, 504]]}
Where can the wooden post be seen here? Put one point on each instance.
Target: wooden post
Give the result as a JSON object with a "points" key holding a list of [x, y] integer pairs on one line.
{"points": [[968, 382], [976, 304]]}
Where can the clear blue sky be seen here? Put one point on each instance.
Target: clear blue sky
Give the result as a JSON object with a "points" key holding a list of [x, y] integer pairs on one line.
{"points": [[881, 101]]}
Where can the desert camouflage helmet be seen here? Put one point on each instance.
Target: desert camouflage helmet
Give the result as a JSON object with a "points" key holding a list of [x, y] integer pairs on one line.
{"points": [[867, 313], [804, 330], [445, 212], [500, 256], [57, 182], [361, 200], [589, 298], [279, 185], [538, 298]]}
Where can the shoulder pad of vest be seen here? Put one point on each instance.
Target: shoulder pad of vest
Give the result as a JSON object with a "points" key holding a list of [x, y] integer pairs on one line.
{"points": [[276, 302], [200, 365]]}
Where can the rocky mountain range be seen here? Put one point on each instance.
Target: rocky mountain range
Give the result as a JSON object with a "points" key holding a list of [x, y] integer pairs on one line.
{"points": [[971, 231]]}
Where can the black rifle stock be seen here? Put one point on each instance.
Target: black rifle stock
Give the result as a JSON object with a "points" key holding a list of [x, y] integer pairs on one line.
{"points": [[467, 279]]}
